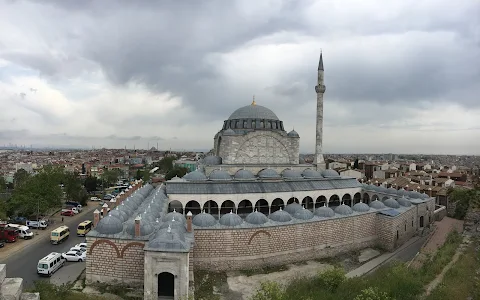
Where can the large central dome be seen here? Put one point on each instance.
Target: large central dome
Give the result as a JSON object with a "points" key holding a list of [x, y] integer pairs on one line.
{"points": [[253, 111]]}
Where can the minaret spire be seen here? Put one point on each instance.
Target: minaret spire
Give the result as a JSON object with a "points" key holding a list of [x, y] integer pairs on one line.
{"points": [[320, 90]]}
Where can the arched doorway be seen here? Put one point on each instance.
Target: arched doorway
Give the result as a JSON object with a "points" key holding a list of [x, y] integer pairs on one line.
{"points": [[166, 284], [321, 200], [276, 205], [347, 199], [421, 222], [262, 206], [175, 205], [244, 207], [211, 207], [307, 202], [192, 206], [334, 201]]}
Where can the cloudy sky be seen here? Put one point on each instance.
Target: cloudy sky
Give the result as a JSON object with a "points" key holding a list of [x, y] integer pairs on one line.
{"points": [[402, 76]]}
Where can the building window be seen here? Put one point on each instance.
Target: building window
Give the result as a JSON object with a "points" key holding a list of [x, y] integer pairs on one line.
{"points": [[253, 124], [244, 124], [405, 226], [397, 234], [261, 124]]}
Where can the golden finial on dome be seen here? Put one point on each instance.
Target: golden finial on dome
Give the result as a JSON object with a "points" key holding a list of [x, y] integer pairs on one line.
{"points": [[253, 102]]}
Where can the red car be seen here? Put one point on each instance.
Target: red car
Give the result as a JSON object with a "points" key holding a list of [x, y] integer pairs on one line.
{"points": [[67, 213]]}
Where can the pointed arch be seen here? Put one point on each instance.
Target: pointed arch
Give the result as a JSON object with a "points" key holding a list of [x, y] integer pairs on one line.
{"points": [[227, 207], [193, 206], [334, 201], [307, 202], [357, 198], [211, 207], [244, 207], [347, 199], [321, 200], [277, 204], [292, 200], [175, 205], [366, 198], [262, 206]]}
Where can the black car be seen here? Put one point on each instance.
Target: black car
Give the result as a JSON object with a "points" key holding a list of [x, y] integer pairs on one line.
{"points": [[1, 244]]}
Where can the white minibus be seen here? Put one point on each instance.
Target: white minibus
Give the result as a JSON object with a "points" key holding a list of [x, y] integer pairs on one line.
{"points": [[50, 264]]}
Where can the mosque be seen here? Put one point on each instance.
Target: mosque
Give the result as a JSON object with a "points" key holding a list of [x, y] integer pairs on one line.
{"points": [[252, 203]]}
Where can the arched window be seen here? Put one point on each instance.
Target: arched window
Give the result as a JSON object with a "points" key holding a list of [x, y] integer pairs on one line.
{"points": [[244, 124], [262, 124]]}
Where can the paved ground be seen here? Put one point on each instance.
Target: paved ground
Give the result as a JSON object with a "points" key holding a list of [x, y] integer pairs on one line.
{"points": [[443, 229], [22, 258]]}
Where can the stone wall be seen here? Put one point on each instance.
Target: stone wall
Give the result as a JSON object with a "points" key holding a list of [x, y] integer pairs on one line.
{"points": [[258, 147], [114, 260], [228, 249], [233, 168]]}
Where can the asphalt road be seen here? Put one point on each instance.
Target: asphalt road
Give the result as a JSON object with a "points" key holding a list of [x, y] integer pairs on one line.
{"points": [[24, 263]]}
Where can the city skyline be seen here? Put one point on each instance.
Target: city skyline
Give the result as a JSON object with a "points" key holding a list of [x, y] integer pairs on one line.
{"points": [[400, 77]]}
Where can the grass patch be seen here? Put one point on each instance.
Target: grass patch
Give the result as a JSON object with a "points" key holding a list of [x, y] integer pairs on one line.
{"points": [[394, 281], [51, 291], [207, 284], [265, 270], [461, 281]]}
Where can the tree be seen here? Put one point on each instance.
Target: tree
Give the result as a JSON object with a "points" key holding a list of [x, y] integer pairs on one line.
{"points": [[372, 293], [177, 171], [91, 183], [139, 174], [109, 177], [355, 164], [74, 189], [3, 184], [166, 164], [20, 177], [463, 199], [331, 279], [269, 290]]}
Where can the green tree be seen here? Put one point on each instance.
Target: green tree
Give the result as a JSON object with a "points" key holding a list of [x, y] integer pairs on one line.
{"points": [[91, 183], [3, 209], [40, 193], [20, 177], [139, 174], [74, 188], [331, 279], [463, 199], [177, 171], [166, 164], [372, 293], [109, 177], [3, 184]]}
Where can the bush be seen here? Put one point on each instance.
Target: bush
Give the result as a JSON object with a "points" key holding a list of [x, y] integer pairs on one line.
{"points": [[331, 279], [269, 290], [372, 293]]}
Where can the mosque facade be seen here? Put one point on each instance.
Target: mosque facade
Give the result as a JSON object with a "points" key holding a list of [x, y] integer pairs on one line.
{"points": [[252, 203]]}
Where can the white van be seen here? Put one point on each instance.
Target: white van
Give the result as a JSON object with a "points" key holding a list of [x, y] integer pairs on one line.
{"points": [[42, 224], [23, 231], [50, 264]]}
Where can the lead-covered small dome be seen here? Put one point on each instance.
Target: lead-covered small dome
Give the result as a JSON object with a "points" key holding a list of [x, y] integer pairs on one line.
{"points": [[291, 174], [231, 219], [212, 160], [329, 173], [174, 215], [382, 189], [145, 228], [361, 207], [256, 218], [404, 202], [402, 192], [293, 133], [303, 214], [280, 216], [204, 220], [268, 173], [343, 210], [120, 214], [391, 190], [195, 176], [219, 175], [109, 225], [392, 203], [244, 175], [309, 173], [324, 212], [292, 208], [377, 204]]}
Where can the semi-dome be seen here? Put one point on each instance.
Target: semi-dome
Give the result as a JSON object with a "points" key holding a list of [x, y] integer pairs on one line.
{"points": [[268, 173], [309, 173], [219, 175], [292, 208], [293, 133], [212, 160], [109, 225], [324, 212], [145, 228], [361, 207], [253, 111], [256, 218], [291, 174], [404, 202], [231, 219], [244, 175], [377, 204], [229, 131], [280, 216], [329, 173], [392, 203], [174, 215], [204, 220], [195, 176], [303, 214], [343, 210]]}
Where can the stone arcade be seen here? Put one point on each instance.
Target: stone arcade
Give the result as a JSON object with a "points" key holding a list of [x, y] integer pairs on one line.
{"points": [[252, 203]]}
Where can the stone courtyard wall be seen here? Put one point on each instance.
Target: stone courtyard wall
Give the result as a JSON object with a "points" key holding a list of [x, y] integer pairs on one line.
{"points": [[229, 249], [115, 260]]}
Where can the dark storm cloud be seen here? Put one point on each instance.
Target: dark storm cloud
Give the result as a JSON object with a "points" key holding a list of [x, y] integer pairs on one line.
{"points": [[168, 46]]}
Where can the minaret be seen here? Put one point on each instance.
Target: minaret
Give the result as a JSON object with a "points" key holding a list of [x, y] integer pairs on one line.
{"points": [[320, 89]]}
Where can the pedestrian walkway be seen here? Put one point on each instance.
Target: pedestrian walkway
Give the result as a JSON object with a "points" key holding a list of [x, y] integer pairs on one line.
{"points": [[444, 227]]}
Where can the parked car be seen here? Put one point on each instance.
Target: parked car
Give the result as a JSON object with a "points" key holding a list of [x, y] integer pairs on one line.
{"points": [[42, 224], [68, 213], [74, 256], [74, 209], [81, 245], [1, 244], [23, 231], [77, 249], [74, 204], [94, 199], [18, 220]]}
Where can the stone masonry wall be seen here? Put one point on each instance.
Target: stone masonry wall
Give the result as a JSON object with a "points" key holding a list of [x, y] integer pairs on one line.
{"points": [[259, 147], [254, 247], [115, 261]]}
